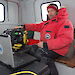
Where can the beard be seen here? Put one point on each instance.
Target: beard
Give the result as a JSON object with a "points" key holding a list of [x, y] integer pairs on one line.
{"points": [[50, 16]]}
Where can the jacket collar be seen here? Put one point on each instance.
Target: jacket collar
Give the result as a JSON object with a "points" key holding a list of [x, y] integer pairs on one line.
{"points": [[62, 14]]}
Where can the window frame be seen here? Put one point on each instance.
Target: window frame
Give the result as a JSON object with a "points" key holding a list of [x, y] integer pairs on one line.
{"points": [[46, 3], [4, 12]]}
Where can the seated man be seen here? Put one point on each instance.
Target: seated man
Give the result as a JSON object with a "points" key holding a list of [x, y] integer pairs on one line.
{"points": [[56, 35]]}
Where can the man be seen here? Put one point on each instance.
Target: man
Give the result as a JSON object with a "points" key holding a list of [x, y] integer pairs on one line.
{"points": [[56, 35]]}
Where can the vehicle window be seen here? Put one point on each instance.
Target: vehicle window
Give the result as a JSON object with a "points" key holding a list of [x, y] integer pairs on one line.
{"points": [[44, 9], [2, 12]]}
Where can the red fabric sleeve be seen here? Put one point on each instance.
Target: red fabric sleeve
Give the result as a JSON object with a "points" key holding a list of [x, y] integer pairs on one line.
{"points": [[34, 27]]}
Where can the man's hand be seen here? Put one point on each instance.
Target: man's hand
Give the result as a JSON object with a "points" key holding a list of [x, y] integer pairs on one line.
{"points": [[40, 44], [20, 26]]}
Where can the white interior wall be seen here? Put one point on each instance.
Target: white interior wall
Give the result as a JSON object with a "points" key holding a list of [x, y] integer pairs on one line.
{"points": [[64, 70], [70, 5], [32, 14], [11, 16], [30, 11], [11, 13], [28, 15]]}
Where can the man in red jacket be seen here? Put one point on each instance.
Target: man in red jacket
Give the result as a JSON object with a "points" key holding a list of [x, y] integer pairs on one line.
{"points": [[56, 34]]}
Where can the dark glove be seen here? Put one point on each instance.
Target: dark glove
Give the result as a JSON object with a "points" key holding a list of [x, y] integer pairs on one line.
{"points": [[22, 26], [33, 49]]}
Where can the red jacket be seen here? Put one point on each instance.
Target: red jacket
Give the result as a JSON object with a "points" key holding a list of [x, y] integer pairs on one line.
{"points": [[57, 32]]}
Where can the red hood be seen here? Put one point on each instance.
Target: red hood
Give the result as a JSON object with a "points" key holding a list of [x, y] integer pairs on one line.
{"points": [[62, 13]]}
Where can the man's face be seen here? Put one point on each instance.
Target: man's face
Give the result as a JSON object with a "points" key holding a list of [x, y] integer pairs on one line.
{"points": [[51, 13]]}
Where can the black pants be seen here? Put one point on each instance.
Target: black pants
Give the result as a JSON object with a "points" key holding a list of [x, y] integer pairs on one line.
{"points": [[49, 55], [51, 62]]}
